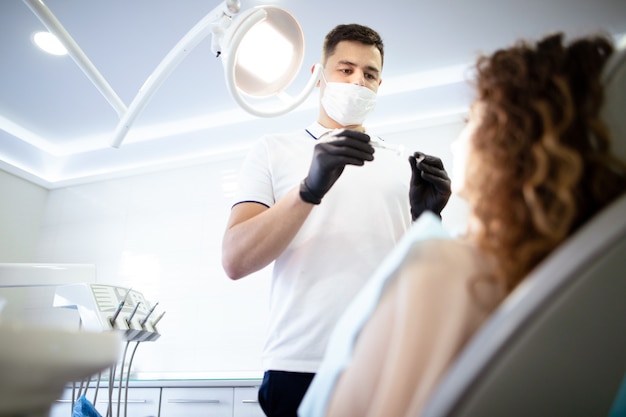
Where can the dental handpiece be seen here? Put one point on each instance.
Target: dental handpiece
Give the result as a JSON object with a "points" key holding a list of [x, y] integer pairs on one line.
{"points": [[119, 308], [129, 319], [158, 319], [145, 319]]}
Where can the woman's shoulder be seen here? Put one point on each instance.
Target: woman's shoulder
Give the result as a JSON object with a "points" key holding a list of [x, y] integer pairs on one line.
{"points": [[449, 265], [451, 254]]}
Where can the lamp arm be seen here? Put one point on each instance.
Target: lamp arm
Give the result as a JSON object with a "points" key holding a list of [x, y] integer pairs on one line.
{"points": [[56, 28], [295, 102], [207, 25]]}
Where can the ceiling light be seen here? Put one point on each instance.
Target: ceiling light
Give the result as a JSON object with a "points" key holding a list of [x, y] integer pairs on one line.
{"points": [[49, 43]]}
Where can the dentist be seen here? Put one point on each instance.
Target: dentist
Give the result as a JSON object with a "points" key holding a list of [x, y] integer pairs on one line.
{"points": [[325, 206]]}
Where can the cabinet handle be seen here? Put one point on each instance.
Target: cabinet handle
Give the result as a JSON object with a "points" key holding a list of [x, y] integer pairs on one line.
{"points": [[129, 401], [249, 401], [186, 401]]}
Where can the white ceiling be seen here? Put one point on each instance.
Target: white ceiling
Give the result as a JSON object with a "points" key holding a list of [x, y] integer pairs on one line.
{"points": [[56, 128]]}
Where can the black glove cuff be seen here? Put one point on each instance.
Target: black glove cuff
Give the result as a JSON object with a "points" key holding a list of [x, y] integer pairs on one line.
{"points": [[307, 195], [415, 214]]}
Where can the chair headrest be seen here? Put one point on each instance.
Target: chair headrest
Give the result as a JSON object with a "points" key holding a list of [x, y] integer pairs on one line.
{"points": [[614, 108]]}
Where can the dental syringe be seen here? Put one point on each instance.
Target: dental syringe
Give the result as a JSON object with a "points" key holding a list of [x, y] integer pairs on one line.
{"points": [[377, 143], [398, 149]]}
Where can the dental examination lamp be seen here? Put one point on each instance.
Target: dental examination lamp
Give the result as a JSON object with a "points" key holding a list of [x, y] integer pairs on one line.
{"points": [[262, 50]]}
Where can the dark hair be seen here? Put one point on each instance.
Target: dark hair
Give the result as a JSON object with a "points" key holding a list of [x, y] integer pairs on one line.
{"points": [[352, 32], [541, 162]]}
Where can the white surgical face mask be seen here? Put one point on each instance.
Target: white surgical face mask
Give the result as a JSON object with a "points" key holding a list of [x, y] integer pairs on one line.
{"points": [[346, 103]]}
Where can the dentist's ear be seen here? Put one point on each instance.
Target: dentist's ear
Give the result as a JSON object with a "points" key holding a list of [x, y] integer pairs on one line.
{"points": [[313, 69]]}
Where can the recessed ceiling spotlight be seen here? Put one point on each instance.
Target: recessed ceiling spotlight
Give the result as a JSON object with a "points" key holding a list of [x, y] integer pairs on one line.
{"points": [[49, 43]]}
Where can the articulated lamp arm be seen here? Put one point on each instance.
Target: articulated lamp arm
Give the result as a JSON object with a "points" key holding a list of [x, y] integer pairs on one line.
{"points": [[225, 42], [211, 23]]}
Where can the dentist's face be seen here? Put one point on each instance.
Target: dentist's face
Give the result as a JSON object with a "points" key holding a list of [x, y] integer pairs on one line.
{"points": [[356, 63]]}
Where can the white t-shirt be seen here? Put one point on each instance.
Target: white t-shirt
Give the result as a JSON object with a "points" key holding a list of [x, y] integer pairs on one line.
{"points": [[339, 246], [349, 325]]}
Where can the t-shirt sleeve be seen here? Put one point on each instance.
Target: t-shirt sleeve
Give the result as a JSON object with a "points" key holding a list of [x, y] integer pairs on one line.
{"points": [[255, 181]]}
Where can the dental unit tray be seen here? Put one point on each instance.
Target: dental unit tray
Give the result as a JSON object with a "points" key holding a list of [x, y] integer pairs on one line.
{"points": [[110, 308]]}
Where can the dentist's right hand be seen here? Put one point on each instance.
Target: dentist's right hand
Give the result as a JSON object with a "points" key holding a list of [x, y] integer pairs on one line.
{"points": [[350, 147]]}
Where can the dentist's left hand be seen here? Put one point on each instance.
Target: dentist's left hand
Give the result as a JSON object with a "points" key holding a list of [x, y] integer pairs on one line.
{"points": [[430, 185]]}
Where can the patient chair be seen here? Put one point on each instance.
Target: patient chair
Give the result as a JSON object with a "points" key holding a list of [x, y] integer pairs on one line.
{"points": [[557, 345]]}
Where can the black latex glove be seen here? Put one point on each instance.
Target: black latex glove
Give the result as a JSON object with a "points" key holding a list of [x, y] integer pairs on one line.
{"points": [[430, 185], [330, 158]]}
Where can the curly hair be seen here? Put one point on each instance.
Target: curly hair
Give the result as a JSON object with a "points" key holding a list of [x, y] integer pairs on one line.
{"points": [[540, 162], [352, 32]]}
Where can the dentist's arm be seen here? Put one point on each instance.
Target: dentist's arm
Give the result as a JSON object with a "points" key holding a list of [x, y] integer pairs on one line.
{"points": [[256, 235]]}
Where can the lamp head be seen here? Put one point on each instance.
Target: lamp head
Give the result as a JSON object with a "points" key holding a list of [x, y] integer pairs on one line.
{"points": [[262, 51]]}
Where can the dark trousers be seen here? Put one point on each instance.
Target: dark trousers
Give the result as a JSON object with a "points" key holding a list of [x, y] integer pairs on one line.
{"points": [[281, 392]]}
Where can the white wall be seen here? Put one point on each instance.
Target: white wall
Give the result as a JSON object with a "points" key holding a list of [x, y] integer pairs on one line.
{"points": [[21, 209], [161, 235], [436, 140]]}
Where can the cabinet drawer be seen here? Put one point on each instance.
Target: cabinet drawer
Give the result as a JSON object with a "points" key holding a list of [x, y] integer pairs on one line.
{"points": [[142, 402], [197, 402], [247, 403]]}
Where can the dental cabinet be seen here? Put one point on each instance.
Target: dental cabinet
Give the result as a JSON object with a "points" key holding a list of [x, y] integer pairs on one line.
{"points": [[60, 305], [140, 402], [210, 402], [176, 398]]}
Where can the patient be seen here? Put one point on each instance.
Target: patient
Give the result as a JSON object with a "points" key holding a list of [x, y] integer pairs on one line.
{"points": [[534, 163]]}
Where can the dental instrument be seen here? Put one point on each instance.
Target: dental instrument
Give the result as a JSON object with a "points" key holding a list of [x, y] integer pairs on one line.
{"points": [[158, 319], [376, 142], [143, 322], [120, 306], [105, 308], [397, 149]]}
